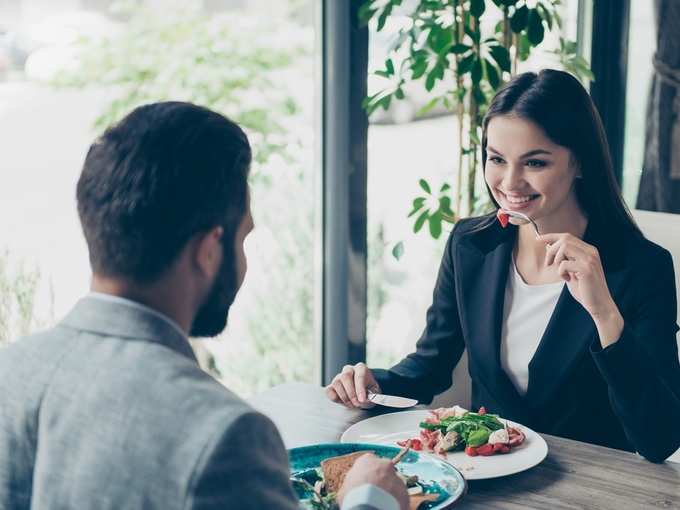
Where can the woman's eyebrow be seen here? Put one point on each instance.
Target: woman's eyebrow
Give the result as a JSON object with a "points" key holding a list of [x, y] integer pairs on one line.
{"points": [[534, 152]]}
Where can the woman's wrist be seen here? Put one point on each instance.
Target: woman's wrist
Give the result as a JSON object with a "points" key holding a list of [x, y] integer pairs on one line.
{"points": [[609, 326]]}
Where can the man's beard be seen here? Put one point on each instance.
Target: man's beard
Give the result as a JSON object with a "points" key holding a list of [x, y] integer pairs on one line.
{"points": [[211, 318]]}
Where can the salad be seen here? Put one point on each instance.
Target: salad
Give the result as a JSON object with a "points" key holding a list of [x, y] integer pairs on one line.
{"points": [[456, 429]]}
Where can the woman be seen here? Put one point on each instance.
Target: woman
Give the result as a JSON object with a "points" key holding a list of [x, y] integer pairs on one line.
{"points": [[572, 332]]}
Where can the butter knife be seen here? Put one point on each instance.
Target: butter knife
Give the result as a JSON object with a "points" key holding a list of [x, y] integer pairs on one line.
{"points": [[391, 400]]}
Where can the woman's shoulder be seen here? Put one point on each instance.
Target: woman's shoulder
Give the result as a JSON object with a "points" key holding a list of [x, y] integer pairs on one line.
{"points": [[643, 254]]}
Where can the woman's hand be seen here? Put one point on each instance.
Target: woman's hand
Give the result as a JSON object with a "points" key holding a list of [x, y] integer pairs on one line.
{"points": [[350, 386], [580, 266]]}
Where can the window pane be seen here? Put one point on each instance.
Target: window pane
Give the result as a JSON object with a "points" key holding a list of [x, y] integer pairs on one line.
{"points": [[641, 48], [68, 68]]}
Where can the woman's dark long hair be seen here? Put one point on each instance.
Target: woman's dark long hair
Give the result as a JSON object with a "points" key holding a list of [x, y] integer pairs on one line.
{"points": [[557, 103]]}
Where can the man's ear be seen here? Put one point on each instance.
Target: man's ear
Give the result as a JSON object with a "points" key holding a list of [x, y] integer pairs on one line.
{"points": [[208, 251]]}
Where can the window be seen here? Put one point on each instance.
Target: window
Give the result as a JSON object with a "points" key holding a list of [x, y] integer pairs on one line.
{"points": [[68, 68], [641, 48]]}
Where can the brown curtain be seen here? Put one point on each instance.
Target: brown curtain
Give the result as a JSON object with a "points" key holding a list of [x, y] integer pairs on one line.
{"points": [[660, 181]]}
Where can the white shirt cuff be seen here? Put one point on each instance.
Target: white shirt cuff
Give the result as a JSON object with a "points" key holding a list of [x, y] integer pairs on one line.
{"points": [[370, 495]]}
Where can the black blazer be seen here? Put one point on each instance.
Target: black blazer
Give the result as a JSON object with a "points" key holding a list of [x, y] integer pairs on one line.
{"points": [[626, 396]]}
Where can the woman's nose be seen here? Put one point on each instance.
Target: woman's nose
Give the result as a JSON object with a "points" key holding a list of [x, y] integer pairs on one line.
{"points": [[513, 177]]}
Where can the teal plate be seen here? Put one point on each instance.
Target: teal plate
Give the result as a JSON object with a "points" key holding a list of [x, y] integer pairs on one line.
{"points": [[440, 476]]}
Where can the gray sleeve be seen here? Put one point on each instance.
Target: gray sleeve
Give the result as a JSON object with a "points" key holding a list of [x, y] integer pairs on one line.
{"points": [[247, 467]]}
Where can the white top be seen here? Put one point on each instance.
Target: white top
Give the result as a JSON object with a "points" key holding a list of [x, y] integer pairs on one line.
{"points": [[526, 312]]}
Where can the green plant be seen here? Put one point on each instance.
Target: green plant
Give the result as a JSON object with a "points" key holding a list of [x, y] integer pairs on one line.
{"points": [[17, 300], [449, 43]]}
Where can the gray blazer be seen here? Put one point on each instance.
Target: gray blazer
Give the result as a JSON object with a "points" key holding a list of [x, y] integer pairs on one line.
{"points": [[109, 410]]}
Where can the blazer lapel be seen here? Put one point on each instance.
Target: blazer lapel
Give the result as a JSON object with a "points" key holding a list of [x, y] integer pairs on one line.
{"points": [[570, 330], [483, 266]]}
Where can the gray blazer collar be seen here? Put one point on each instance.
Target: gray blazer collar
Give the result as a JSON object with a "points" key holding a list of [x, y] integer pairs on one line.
{"points": [[124, 321]]}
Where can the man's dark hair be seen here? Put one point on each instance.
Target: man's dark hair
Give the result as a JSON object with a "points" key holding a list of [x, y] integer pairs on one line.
{"points": [[164, 173]]}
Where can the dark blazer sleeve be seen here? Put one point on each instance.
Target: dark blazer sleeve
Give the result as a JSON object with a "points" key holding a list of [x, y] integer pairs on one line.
{"points": [[427, 371], [247, 468], [642, 369]]}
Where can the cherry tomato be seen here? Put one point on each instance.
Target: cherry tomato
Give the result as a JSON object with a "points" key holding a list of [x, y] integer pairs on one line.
{"points": [[471, 451]]}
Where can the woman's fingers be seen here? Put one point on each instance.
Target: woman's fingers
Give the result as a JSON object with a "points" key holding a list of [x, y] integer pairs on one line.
{"points": [[350, 387], [339, 389], [363, 381], [332, 394], [567, 268], [562, 247], [347, 380], [343, 386], [558, 254]]}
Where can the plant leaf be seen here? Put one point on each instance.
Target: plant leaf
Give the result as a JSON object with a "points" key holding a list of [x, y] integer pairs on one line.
{"points": [[535, 30], [519, 19], [418, 68], [440, 39], [435, 224], [459, 48], [476, 73], [417, 205], [366, 12], [420, 222], [492, 74], [545, 14], [524, 46], [398, 250], [430, 104], [477, 7], [465, 64], [501, 56], [384, 15], [423, 184]]}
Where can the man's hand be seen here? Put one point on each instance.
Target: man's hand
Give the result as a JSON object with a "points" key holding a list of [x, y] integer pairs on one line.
{"points": [[375, 471]]}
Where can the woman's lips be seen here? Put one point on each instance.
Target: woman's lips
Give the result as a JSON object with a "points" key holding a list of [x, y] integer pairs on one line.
{"points": [[517, 202]]}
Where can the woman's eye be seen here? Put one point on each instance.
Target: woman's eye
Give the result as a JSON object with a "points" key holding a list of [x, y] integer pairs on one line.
{"points": [[536, 163], [496, 160]]}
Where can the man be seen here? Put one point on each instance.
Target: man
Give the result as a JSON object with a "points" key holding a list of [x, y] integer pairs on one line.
{"points": [[109, 409]]}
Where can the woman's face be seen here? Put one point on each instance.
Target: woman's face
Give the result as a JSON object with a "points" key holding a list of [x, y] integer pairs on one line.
{"points": [[526, 172]]}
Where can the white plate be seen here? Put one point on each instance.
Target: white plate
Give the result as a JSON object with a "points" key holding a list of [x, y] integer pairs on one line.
{"points": [[390, 428]]}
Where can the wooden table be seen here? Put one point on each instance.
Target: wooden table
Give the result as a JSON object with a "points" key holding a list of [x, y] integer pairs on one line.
{"points": [[575, 475]]}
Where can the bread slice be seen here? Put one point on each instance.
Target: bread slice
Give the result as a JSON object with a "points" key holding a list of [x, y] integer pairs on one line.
{"points": [[335, 469]]}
